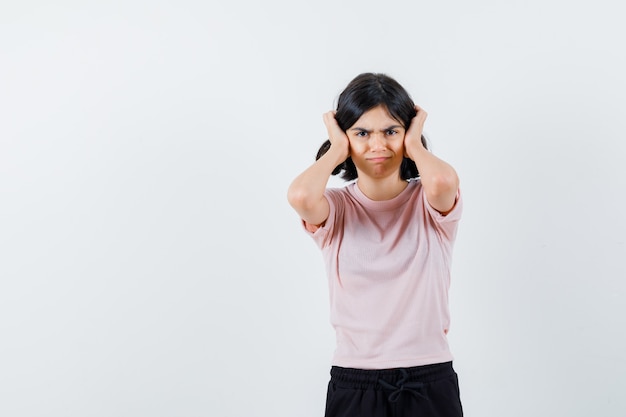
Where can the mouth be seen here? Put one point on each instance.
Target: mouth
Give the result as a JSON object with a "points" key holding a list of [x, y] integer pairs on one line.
{"points": [[378, 159]]}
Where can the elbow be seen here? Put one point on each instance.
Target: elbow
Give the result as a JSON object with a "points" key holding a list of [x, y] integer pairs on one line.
{"points": [[294, 196], [298, 198], [444, 184], [310, 206]]}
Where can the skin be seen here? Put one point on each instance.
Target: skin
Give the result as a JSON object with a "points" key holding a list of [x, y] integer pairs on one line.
{"points": [[377, 144]]}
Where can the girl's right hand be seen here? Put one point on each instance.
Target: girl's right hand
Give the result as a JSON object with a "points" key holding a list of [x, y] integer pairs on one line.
{"points": [[338, 139]]}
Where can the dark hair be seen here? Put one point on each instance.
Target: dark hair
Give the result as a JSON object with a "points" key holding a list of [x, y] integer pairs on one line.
{"points": [[364, 92]]}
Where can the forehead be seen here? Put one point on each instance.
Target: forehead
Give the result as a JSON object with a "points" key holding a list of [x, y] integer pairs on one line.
{"points": [[376, 118]]}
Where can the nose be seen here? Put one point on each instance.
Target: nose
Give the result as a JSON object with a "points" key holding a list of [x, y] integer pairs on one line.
{"points": [[378, 142]]}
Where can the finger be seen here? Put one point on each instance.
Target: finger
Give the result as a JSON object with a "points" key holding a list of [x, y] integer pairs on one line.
{"points": [[327, 119], [421, 112], [331, 122]]}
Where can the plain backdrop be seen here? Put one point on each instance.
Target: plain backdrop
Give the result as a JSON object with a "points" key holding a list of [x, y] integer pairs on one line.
{"points": [[151, 266]]}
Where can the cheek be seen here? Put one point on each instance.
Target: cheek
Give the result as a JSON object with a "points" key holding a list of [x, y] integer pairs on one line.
{"points": [[400, 144], [356, 144]]}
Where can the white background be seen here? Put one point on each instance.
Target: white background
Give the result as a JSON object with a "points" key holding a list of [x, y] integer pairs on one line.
{"points": [[151, 266]]}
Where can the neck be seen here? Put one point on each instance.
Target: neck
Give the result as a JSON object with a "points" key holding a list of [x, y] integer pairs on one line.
{"points": [[379, 189]]}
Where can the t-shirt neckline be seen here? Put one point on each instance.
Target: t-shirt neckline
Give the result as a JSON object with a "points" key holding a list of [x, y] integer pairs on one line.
{"points": [[383, 205]]}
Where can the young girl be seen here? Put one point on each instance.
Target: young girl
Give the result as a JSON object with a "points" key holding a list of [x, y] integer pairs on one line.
{"points": [[386, 239]]}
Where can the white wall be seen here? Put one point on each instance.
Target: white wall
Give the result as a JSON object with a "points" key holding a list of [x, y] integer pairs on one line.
{"points": [[151, 266]]}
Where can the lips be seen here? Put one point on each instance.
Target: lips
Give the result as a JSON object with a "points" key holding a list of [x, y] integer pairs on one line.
{"points": [[378, 159]]}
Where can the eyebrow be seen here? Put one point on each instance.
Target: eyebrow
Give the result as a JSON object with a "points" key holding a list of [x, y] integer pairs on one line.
{"points": [[361, 129]]}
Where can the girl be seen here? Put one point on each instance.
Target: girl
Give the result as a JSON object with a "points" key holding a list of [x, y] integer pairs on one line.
{"points": [[386, 239]]}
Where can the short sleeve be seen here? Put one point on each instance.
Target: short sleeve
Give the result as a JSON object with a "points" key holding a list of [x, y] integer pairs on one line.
{"points": [[446, 224], [322, 236]]}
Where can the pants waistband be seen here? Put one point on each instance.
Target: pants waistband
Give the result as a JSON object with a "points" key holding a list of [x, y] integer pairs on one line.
{"points": [[371, 378]]}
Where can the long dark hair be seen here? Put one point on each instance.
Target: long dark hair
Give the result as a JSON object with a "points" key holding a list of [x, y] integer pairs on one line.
{"points": [[364, 92]]}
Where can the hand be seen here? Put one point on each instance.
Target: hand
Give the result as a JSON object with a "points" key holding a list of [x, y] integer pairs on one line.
{"points": [[338, 139], [413, 136]]}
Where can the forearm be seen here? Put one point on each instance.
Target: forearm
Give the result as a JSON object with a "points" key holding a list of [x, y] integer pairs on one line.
{"points": [[306, 192], [439, 179]]}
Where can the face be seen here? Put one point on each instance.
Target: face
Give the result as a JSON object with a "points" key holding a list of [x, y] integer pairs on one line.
{"points": [[377, 144]]}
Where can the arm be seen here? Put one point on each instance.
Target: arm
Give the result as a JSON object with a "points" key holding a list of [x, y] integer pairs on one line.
{"points": [[439, 179], [306, 192]]}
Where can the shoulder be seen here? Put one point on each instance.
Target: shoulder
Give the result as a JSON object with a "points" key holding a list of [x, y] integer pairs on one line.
{"points": [[415, 188], [338, 194], [337, 198]]}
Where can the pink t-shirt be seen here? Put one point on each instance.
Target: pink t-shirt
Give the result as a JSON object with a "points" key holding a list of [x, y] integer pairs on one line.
{"points": [[388, 265]]}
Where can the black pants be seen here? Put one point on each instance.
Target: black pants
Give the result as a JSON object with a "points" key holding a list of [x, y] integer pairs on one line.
{"points": [[421, 391]]}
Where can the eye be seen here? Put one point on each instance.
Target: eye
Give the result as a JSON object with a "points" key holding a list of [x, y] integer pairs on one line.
{"points": [[361, 134], [391, 132]]}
